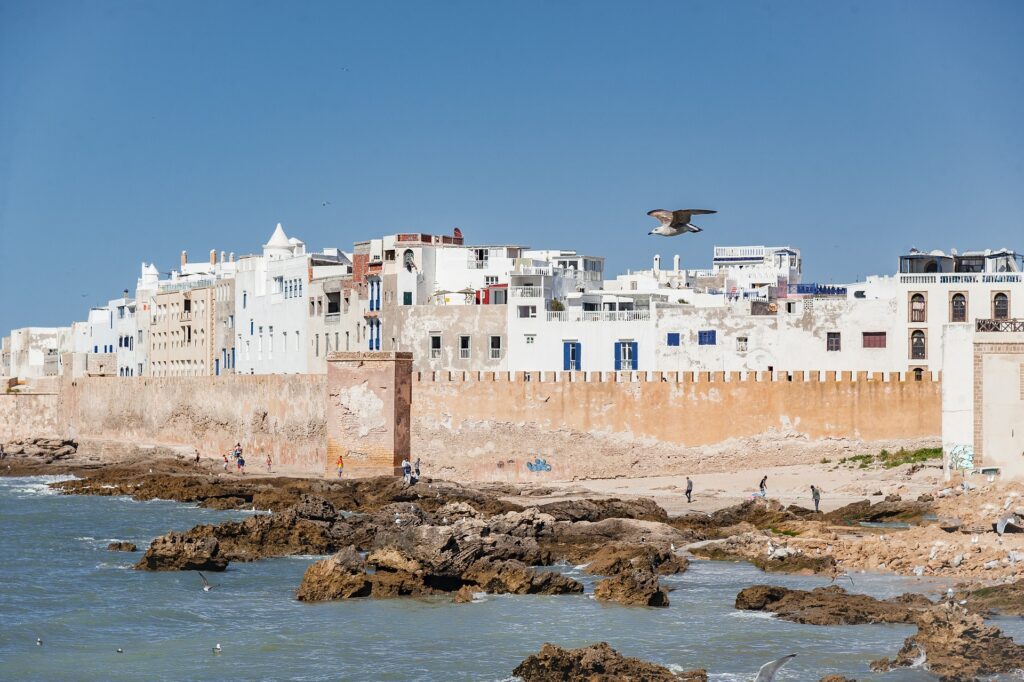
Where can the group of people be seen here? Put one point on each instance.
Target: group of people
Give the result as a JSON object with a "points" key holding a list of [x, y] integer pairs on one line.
{"points": [[410, 471], [235, 453], [762, 491]]}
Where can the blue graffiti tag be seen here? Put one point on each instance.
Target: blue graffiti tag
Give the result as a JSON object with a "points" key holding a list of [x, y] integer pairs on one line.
{"points": [[538, 464]]}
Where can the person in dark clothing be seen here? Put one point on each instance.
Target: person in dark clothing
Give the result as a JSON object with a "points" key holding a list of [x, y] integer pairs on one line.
{"points": [[416, 468], [764, 486], [816, 496], [689, 489]]}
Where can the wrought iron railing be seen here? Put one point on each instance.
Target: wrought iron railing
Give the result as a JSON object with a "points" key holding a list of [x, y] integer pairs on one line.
{"points": [[1011, 325]]}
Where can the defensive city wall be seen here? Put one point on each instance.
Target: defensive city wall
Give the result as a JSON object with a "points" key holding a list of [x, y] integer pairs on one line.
{"points": [[499, 426]]}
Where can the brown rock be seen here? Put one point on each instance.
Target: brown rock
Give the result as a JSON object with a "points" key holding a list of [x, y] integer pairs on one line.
{"points": [[122, 546], [595, 663], [620, 556], [341, 576], [836, 678], [464, 595], [641, 509], [637, 587], [183, 552], [515, 577], [1007, 599], [957, 645], [829, 605]]}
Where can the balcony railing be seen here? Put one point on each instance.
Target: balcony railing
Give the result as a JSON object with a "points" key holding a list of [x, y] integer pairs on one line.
{"points": [[1011, 325], [598, 315], [332, 318], [963, 278], [526, 292]]}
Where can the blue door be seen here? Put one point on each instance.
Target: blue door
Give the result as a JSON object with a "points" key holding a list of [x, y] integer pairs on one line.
{"points": [[618, 356]]}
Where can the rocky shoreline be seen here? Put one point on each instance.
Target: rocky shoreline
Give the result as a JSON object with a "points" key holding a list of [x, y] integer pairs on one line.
{"points": [[385, 539]]}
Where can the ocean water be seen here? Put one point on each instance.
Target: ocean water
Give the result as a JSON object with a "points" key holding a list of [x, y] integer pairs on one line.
{"points": [[61, 584]]}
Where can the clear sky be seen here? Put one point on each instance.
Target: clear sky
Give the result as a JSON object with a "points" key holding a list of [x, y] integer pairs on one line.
{"points": [[854, 130]]}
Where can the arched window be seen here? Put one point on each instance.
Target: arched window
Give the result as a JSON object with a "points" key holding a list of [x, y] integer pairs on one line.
{"points": [[918, 374], [932, 266], [917, 308], [917, 345], [1000, 307], [959, 308]]}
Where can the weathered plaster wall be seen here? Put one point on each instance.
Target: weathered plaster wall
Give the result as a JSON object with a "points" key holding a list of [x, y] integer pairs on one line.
{"points": [[28, 416], [282, 415], [483, 427]]}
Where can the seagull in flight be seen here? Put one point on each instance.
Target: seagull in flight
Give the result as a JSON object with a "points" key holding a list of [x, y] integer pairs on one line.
{"points": [[206, 584], [768, 670], [674, 223], [325, 204]]}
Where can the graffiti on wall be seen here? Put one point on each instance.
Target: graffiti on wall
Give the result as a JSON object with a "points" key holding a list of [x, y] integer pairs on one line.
{"points": [[961, 456]]}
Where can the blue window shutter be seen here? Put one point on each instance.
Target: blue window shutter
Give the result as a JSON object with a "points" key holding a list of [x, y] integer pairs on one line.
{"points": [[618, 356], [216, 366], [565, 355], [579, 355], [673, 339], [712, 340], [636, 359]]}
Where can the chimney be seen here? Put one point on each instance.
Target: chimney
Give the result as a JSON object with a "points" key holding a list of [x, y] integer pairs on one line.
{"points": [[126, 293], [675, 262], [184, 258], [213, 256], [657, 263], [231, 257], [222, 257]]}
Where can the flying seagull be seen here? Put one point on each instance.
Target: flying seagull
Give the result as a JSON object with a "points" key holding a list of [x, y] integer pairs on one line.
{"points": [[676, 222], [326, 203], [206, 583], [768, 670]]}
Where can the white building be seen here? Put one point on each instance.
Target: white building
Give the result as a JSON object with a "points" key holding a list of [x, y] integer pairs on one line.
{"points": [[34, 352]]}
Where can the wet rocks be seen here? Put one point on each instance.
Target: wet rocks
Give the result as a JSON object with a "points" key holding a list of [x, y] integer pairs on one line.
{"points": [[836, 678], [620, 556], [122, 546], [515, 577], [760, 550], [830, 605], [635, 587], [892, 509], [595, 663], [1007, 599], [956, 645], [183, 552]]}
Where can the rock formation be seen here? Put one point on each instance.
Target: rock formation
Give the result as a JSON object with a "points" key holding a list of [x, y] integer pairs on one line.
{"points": [[122, 546], [595, 663], [183, 552], [830, 605]]}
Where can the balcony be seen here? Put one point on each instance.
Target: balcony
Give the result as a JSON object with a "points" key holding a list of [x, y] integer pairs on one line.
{"points": [[526, 292], [963, 278], [477, 265], [332, 318], [1011, 325], [598, 315]]}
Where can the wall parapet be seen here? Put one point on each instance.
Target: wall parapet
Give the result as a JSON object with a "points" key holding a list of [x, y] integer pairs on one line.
{"points": [[688, 377]]}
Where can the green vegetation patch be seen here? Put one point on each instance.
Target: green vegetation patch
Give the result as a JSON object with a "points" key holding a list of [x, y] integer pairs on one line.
{"points": [[890, 460]]}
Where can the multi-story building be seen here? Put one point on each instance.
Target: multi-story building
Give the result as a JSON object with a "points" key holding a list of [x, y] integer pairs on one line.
{"points": [[334, 314], [271, 305], [35, 352]]}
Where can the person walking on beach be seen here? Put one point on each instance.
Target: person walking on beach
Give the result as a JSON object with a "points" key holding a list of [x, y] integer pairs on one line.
{"points": [[816, 496], [197, 455], [225, 462], [689, 490], [241, 465], [269, 463], [416, 468], [763, 485], [406, 471], [341, 465]]}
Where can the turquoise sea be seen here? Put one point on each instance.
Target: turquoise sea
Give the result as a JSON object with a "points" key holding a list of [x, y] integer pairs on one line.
{"points": [[61, 584]]}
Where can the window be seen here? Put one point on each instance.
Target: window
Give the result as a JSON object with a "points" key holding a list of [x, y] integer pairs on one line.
{"points": [[706, 337], [918, 374], [625, 355], [1000, 307], [527, 311], [435, 346], [490, 279], [874, 339], [917, 308], [316, 345], [251, 327], [284, 341], [278, 287], [673, 339], [571, 356], [958, 308], [790, 307], [245, 299], [530, 338], [741, 344], [406, 298], [918, 346], [495, 347], [464, 347], [833, 341]]}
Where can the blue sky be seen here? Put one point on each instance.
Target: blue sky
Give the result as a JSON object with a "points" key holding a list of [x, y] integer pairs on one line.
{"points": [[854, 130]]}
